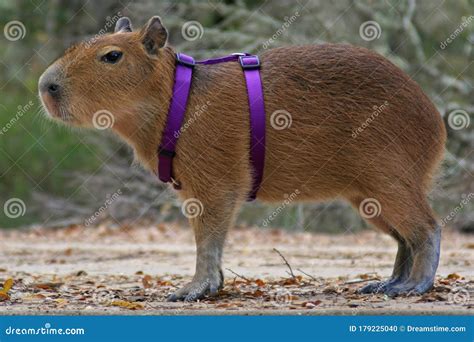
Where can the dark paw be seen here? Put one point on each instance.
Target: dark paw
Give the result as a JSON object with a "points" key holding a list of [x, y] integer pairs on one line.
{"points": [[408, 289], [197, 289], [376, 287]]}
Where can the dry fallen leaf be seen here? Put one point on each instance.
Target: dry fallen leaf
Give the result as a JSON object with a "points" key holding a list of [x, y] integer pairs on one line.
{"points": [[61, 302], [291, 281], [432, 297], [332, 289], [260, 282], [311, 304], [454, 276], [163, 283], [127, 305], [7, 285], [47, 286], [255, 294], [33, 297], [146, 281]]}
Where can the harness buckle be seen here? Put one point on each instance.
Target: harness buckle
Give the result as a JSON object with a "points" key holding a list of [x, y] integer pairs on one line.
{"points": [[249, 62], [185, 60], [176, 184], [166, 153]]}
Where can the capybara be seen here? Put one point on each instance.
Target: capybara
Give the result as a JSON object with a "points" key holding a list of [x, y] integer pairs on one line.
{"points": [[355, 127]]}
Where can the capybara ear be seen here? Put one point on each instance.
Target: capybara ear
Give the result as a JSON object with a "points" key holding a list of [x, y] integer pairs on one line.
{"points": [[154, 35], [123, 25]]}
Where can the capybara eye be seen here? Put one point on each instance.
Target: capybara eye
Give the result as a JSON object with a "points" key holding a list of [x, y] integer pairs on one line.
{"points": [[111, 57]]}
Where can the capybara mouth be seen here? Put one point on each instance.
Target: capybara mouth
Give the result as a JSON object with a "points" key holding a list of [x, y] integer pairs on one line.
{"points": [[55, 110], [51, 106]]}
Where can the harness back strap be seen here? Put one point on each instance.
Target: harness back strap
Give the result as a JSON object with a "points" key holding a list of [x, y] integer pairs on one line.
{"points": [[251, 66], [182, 84]]}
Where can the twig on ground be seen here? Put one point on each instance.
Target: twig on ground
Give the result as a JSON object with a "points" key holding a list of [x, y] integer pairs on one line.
{"points": [[286, 262], [306, 274], [238, 275], [357, 281]]}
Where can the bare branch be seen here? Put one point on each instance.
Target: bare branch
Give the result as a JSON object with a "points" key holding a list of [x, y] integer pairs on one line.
{"points": [[286, 262], [238, 275]]}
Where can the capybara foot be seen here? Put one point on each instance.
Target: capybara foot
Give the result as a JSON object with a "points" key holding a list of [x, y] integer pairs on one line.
{"points": [[376, 287], [198, 289], [409, 288]]}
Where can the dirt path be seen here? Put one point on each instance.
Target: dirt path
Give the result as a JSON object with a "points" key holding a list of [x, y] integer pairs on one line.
{"points": [[132, 270]]}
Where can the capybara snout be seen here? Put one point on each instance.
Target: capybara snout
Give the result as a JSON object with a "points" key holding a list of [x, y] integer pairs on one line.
{"points": [[341, 122]]}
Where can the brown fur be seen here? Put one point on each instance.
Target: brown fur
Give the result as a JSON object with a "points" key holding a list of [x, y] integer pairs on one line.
{"points": [[329, 90]]}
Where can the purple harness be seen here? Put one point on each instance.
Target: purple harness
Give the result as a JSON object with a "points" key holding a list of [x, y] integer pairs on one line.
{"points": [[182, 84]]}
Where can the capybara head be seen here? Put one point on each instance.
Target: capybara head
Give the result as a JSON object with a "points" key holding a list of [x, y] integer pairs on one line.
{"points": [[105, 75]]}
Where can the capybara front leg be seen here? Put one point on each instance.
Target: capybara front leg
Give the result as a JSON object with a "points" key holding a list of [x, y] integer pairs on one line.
{"points": [[210, 229]]}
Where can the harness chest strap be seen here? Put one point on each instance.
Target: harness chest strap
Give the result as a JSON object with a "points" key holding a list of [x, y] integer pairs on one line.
{"points": [[182, 84]]}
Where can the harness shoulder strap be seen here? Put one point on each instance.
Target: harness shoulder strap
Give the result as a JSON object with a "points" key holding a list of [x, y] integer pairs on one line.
{"points": [[177, 109]]}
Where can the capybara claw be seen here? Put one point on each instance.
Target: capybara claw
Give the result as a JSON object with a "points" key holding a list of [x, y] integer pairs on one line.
{"points": [[172, 298], [375, 287]]}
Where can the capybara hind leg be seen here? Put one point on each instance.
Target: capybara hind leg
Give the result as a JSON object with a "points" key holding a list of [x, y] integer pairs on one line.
{"points": [[410, 217], [401, 270], [210, 220], [403, 260], [426, 251]]}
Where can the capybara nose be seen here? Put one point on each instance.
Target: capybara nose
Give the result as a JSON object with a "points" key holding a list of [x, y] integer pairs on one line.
{"points": [[49, 82], [53, 89], [49, 87]]}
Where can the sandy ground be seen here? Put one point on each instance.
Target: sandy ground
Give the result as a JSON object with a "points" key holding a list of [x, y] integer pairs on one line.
{"points": [[112, 270]]}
